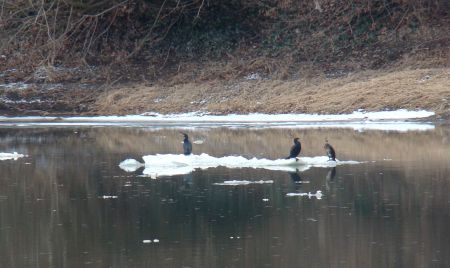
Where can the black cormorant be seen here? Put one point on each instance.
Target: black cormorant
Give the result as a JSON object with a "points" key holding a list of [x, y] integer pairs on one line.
{"points": [[187, 145], [330, 151], [295, 149]]}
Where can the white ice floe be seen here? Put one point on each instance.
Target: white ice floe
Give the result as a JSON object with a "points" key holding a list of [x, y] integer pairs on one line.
{"points": [[8, 156], [256, 117], [358, 120], [317, 195], [374, 120], [244, 182], [177, 164]]}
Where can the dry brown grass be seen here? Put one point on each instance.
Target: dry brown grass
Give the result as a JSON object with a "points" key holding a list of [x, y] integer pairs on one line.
{"points": [[370, 90]]}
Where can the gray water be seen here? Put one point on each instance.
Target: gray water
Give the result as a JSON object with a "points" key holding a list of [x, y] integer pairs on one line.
{"points": [[391, 210]]}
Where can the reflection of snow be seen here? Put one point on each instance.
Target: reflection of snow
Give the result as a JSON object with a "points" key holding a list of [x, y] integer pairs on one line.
{"points": [[173, 164], [8, 156]]}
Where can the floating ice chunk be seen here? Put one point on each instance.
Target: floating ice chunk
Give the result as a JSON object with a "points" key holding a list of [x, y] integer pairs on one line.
{"points": [[296, 194], [146, 241], [177, 164], [265, 200], [317, 195], [155, 240], [109, 197], [244, 182], [130, 165], [8, 156]]}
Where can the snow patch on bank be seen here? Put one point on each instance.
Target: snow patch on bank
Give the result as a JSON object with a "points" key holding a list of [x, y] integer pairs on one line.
{"points": [[160, 165]]}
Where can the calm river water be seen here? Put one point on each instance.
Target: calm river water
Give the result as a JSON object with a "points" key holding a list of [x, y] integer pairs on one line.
{"points": [[68, 204]]}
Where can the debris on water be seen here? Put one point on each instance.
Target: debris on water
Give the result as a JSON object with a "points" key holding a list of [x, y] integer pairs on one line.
{"points": [[265, 200], [155, 240], [146, 241], [198, 141]]}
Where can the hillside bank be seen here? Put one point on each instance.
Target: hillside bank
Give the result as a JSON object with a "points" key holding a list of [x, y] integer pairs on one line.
{"points": [[311, 56]]}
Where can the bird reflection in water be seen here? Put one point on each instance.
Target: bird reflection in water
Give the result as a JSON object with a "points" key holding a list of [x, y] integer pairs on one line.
{"points": [[331, 174], [295, 177]]}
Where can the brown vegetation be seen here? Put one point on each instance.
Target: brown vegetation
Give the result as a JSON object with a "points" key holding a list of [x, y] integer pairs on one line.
{"points": [[223, 56]]}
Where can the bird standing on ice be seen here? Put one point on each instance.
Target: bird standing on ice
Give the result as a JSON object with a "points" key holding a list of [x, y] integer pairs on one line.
{"points": [[295, 149], [187, 145], [330, 151]]}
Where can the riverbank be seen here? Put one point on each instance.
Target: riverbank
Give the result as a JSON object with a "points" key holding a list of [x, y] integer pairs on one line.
{"points": [[319, 93]]}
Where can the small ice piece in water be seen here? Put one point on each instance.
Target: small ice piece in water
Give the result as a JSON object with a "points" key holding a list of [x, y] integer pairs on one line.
{"points": [[130, 165], [8, 156], [109, 197], [231, 237], [155, 240], [265, 200], [317, 195], [296, 194], [243, 182], [146, 241]]}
